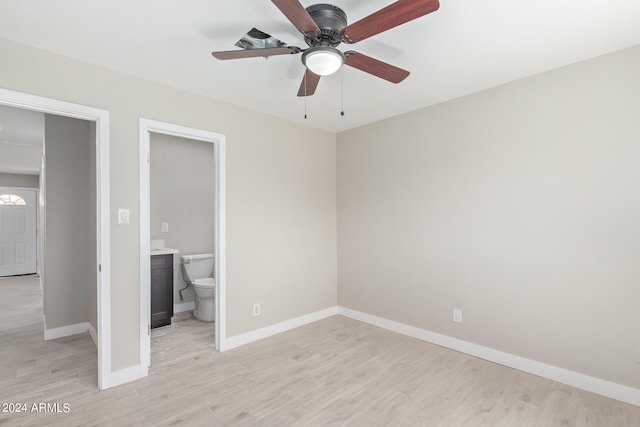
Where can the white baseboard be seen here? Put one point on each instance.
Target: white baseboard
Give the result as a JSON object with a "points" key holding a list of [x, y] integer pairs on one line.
{"points": [[249, 337], [125, 375], [65, 331], [185, 306], [574, 379], [94, 335], [139, 371]]}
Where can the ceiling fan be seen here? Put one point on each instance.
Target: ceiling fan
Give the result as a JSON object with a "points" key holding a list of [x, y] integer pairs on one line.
{"points": [[324, 27]]}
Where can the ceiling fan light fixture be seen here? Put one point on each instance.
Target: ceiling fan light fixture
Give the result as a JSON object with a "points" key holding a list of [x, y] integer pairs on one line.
{"points": [[323, 60]]}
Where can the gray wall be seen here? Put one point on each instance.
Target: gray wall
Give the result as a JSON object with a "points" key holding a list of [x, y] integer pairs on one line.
{"points": [[281, 193], [19, 180], [518, 205], [182, 181], [69, 273]]}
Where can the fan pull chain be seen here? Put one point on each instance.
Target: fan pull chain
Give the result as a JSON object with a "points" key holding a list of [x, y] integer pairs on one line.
{"points": [[342, 92], [305, 95]]}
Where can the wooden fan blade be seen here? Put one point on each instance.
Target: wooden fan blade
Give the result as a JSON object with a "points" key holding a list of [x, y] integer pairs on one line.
{"points": [[389, 17], [309, 84], [254, 53], [297, 14], [375, 67]]}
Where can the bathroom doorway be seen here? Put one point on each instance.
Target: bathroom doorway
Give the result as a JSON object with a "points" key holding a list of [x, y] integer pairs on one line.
{"points": [[154, 225]]}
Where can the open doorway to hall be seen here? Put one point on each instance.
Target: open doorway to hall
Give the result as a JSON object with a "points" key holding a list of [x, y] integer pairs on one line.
{"points": [[49, 229]]}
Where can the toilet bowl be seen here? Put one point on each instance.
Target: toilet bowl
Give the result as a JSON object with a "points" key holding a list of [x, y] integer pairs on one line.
{"points": [[206, 302], [197, 270]]}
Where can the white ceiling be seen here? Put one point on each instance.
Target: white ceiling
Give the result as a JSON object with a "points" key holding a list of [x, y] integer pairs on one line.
{"points": [[465, 47]]}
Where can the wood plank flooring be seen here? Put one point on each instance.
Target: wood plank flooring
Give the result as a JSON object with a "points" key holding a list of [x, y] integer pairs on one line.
{"points": [[333, 372]]}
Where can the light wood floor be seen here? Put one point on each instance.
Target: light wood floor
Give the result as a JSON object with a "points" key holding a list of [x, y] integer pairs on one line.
{"points": [[333, 372]]}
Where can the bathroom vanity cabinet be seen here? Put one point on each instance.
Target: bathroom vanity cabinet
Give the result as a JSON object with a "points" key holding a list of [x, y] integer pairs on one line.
{"points": [[161, 290]]}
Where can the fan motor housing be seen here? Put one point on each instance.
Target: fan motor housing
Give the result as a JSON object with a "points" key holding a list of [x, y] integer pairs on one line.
{"points": [[331, 20]]}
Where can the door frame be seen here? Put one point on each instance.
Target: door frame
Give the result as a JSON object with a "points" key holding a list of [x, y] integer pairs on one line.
{"points": [[147, 127], [103, 274]]}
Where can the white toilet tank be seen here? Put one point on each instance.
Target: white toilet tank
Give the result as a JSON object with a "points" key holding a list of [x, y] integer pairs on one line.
{"points": [[198, 266]]}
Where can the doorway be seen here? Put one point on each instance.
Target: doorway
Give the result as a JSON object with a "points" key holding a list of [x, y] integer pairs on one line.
{"points": [[147, 127], [102, 257]]}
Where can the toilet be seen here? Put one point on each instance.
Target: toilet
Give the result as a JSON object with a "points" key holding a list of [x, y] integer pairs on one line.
{"points": [[197, 270]]}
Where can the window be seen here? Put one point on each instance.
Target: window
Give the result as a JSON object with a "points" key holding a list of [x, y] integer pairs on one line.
{"points": [[11, 199]]}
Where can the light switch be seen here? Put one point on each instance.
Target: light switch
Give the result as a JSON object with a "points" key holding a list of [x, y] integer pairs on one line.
{"points": [[123, 216], [165, 227]]}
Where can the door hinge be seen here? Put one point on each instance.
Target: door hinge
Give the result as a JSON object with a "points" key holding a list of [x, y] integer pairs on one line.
{"points": [[148, 329], [99, 268]]}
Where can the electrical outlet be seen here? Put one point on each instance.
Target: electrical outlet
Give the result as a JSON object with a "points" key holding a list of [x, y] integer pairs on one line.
{"points": [[165, 227], [256, 309], [457, 315]]}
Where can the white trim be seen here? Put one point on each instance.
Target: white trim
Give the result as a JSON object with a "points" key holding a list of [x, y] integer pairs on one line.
{"points": [[185, 306], [103, 198], [101, 118], [145, 246], [147, 126], [66, 331], [220, 231], [249, 337], [574, 379], [126, 375]]}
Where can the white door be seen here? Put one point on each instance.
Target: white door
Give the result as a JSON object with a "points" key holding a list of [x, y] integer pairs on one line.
{"points": [[18, 241]]}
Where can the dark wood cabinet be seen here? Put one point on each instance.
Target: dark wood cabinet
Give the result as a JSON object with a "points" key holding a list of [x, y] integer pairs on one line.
{"points": [[161, 290]]}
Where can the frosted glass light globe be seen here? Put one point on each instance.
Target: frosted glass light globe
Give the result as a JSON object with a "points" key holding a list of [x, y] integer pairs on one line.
{"points": [[323, 61]]}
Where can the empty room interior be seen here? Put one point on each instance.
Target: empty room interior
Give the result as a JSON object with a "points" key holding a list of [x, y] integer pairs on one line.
{"points": [[441, 230]]}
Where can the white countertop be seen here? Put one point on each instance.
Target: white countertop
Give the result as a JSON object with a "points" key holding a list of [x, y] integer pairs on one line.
{"points": [[164, 251]]}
